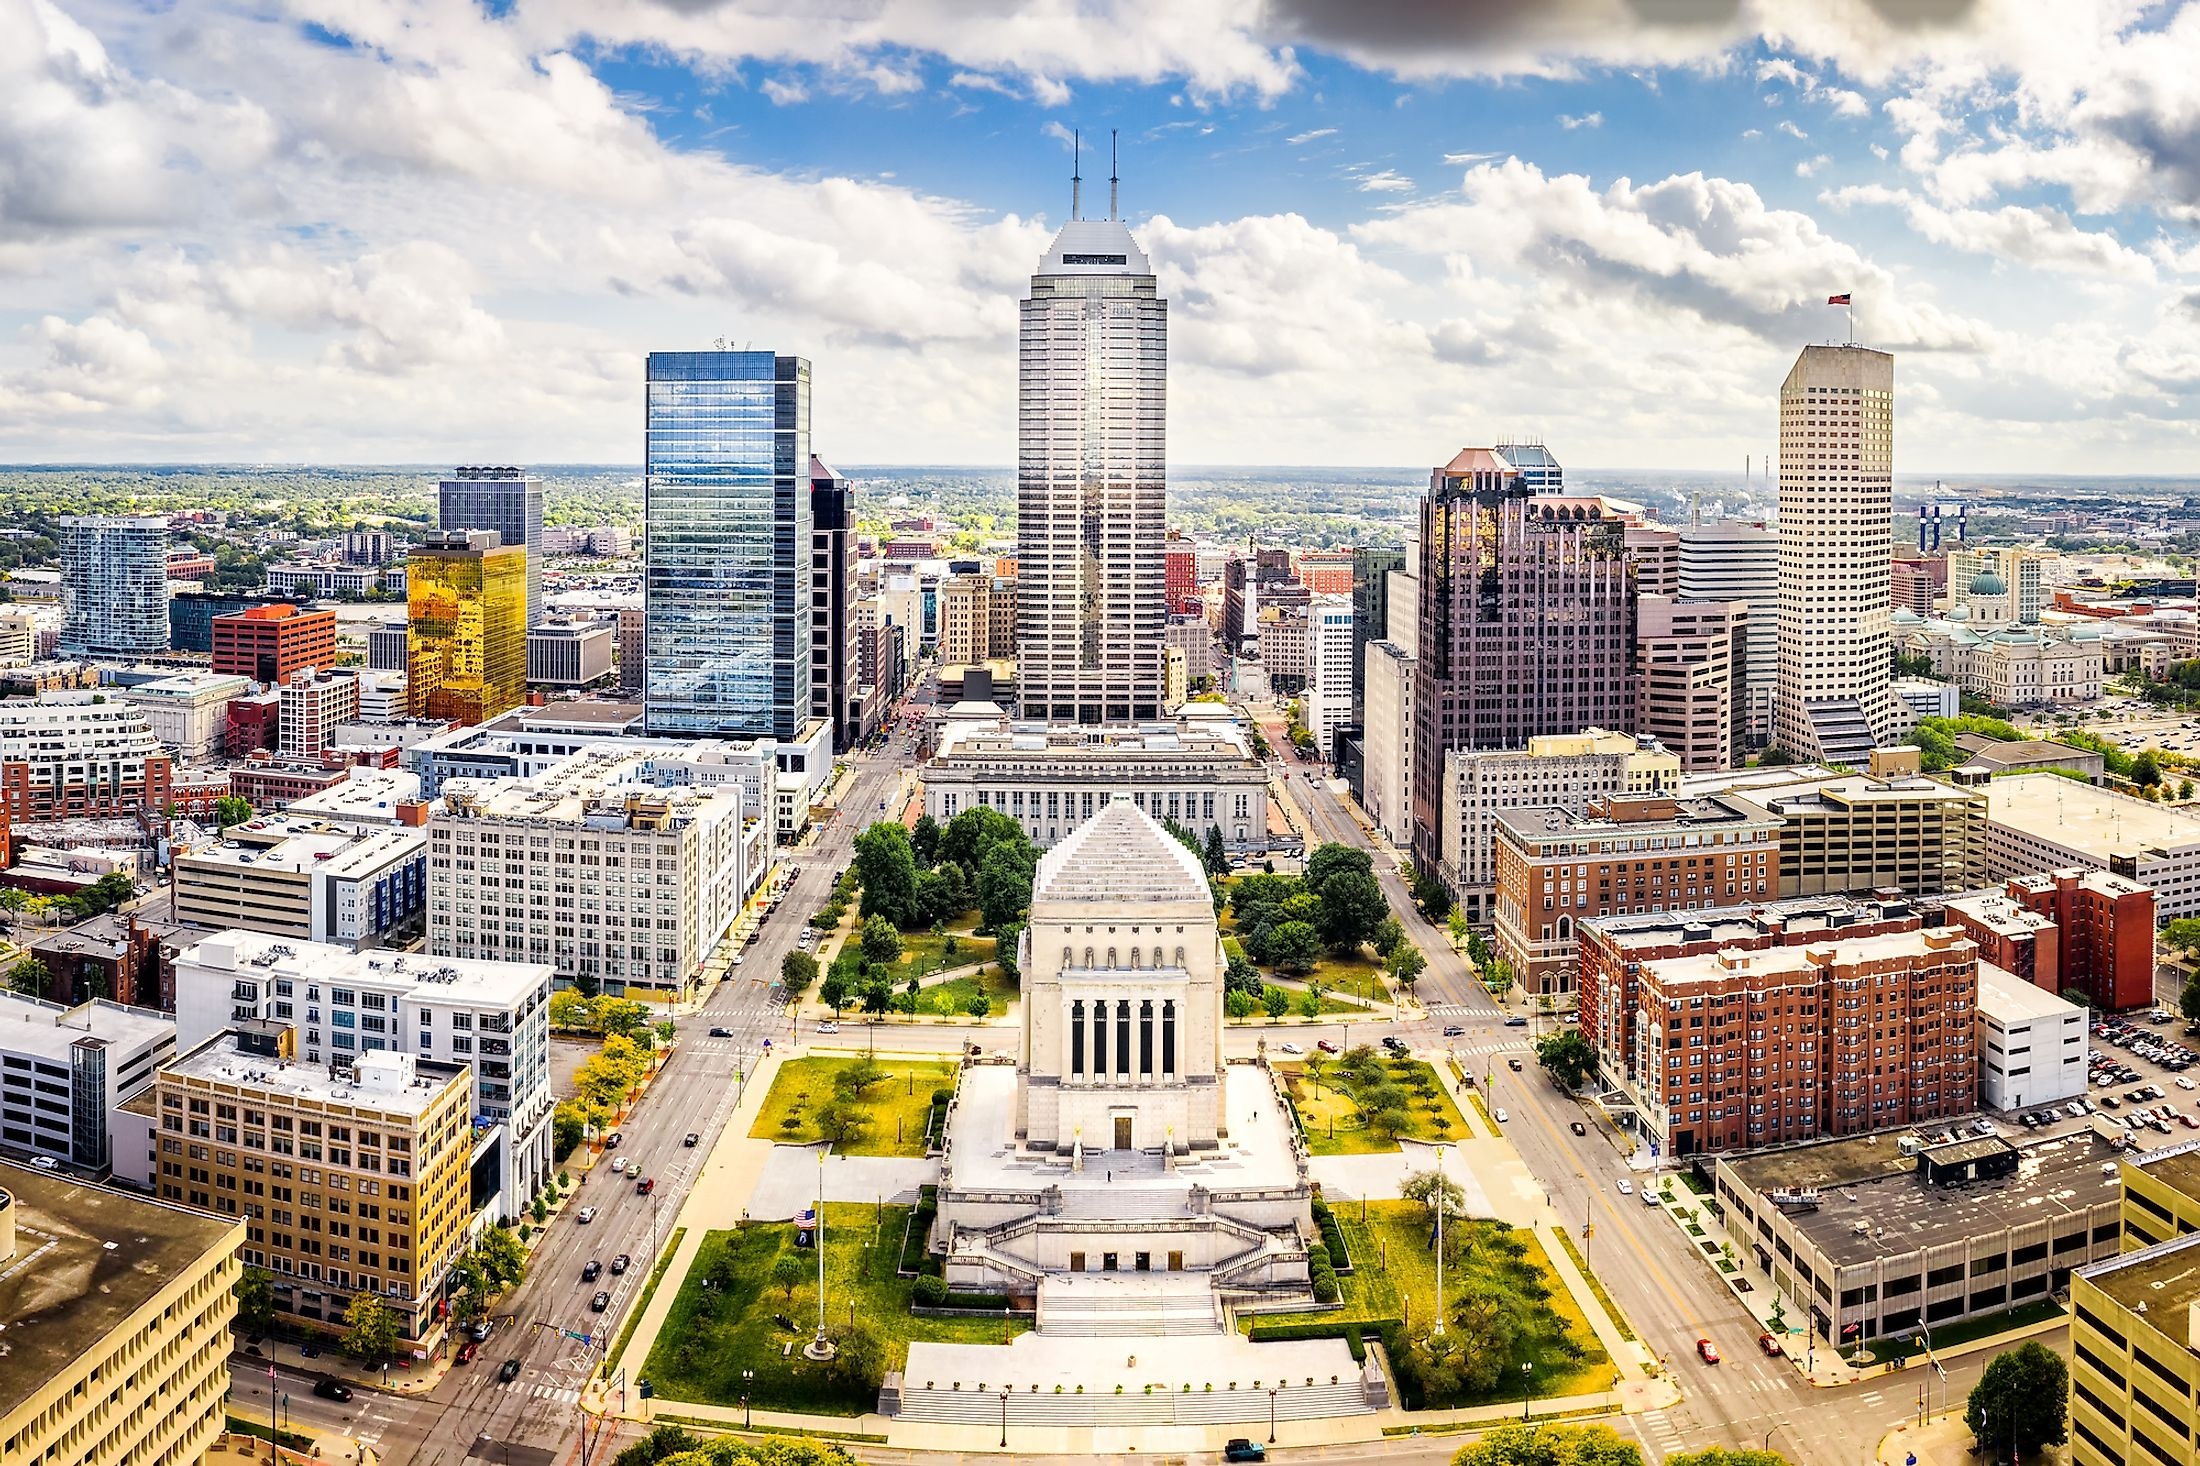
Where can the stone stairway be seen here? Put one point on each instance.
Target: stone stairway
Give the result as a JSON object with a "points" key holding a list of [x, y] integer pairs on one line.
{"points": [[1127, 1305], [1029, 1406]]}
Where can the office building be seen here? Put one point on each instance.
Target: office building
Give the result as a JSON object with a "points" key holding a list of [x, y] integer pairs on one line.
{"points": [[1537, 466], [2022, 942], [2161, 1199], [191, 614], [1916, 582], [728, 544], [114, 586], [388, 1139], [1324, 572], [68, 755], [1371, 571], [571, 651], [2020, 572], [382, 700], [368, 797], [1281, 640], [1692, 665], [489, 1022], [1179, 574], [376, 547], [387, 647], [832, 595], [1558, 867], [116, 956], [977, 620], [1200, 772], [466, 628], [1251, 586], [1655, 553], [1527, 622], [505, 500], [306, 877], [1329, 642], [63, 1068], [1887, 1236], [310, 707], [2031, 1044], [117, 1312], [651, 868], [2045, 822], [18, 639], [2105, 929], [633, 650], [1387, 770], [188, 712], [1193, 639], [271, 643], [1890, 829], [1567, 771], [1836, 543], [1091, 496]]}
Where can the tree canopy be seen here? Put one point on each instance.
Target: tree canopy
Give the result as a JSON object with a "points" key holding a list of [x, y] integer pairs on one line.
{"points": [[1567, 1057], [1518, 1444], [2022, 1398]]}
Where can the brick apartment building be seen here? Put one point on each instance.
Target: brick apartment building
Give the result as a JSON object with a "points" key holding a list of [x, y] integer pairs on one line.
{"points": [[2107, 926], [269, 643], [1847, 1035], [1179, 573], [61, 760], [1326, 572], [1557, 868]]}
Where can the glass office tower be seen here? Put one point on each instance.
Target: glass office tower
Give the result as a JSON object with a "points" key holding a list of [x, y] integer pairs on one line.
{"points": [[466, 627], [507, 500], [727, 584]]}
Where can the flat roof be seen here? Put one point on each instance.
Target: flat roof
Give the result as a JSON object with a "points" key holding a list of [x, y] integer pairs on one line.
{"points": [[2007, 998], [86, 1258], [218, 1061], [48, 1031], [992, 735], [2097, 822], [2175, 1166], [1722, 924], [592, 786], [1688, 813], [436, 979], [1705, 966], [1868, 1182], [1857, 789], [2000, 913], [2165, 1278], [370, 794], [299, 847]]}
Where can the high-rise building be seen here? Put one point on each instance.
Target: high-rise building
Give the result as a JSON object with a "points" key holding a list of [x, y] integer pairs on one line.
{"points": [[1655, 552], [1690, 658], [1538, 468], [114, 585], [1329, 644], [310, 706], [1180, 572], [832, 593], [572, 651], [191, 614], [507, 500], [466, 630], [1371, 567], [1527, 621], [1091, 497], [1737, 561], [1833, 702], [728, 544], [269, 643]]}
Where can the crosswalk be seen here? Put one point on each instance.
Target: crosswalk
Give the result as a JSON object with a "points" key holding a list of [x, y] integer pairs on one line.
{"points": [[1661, 1433], [554, 1394]]}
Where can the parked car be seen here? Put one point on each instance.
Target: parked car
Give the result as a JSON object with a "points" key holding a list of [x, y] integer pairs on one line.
{"points": [[1649, 1195], [1326, 1046], [329, 1389], [692, 1140], [467, 1351], [1707, 1351], [621, 1263], [592, 1271], [600, 1302], [1500, 1116], [585, 1215], [1769, 1344], [508, 1370], [478, 1331], [1241, 1449]]}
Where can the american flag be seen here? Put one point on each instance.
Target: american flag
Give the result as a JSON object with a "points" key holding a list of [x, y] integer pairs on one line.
{"points": [[807, 1217], [1838, 300]]}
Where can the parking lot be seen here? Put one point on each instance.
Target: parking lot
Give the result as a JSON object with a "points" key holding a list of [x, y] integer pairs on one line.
{"points": [[2138, 1075]]}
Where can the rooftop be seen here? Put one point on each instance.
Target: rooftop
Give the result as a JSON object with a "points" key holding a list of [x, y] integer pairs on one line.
{"points": [[299, 847], [2175, 1166], [1120, 854], [2098, 823], [972, 731], [1999, 913], [1730, 924], [2163, 1279], [442, 979], [99, 1255], [1634, 815], [2005, 998], [191, 685], [48, 1031], [604, 785], [1919, 942], [369, 794], [382, 1080], [1868, 1183], [1806, 796]]}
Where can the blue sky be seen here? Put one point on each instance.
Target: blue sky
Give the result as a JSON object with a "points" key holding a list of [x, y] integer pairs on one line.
{"points": [[407, 230]]}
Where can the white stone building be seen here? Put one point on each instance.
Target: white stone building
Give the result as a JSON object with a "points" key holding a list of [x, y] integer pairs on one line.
{"points": [[1329, 646], [63, 1069], [1388, 742], [189, 712], [310, 706], [2031, 1044]]}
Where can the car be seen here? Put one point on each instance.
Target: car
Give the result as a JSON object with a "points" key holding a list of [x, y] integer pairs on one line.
{"points": [[613, 1140], [1707, 1351], [585, 1215], [1292, 1048], [1240, 1449], [1513, 1064], [467, 1351], [478, 1331], [1578, 1128], [618, 1165], [717, 1032], [1626, 1187], [508, 1370], [1649, 1196], [621, 1263], [329, 1389], [1326, 1046], [1395, 1045], [600, 1302], [645, 1185], [692, 1140], [1769, 1344], [1516, 1020], [1453, 1030], [2110, 1102], [1500, 1116], [45, 1163], [592, 1271], [828, 1026], [2184, 1083]]}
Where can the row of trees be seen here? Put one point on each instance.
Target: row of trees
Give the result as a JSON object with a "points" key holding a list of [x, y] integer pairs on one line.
{"points": [[1383, 1091], [101, 896], [578, 1013], [913, 879], [1286, 921], [1534, 1444]]}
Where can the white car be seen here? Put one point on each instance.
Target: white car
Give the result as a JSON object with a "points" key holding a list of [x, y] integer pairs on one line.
{"points": [[618, 1165], [1291, 1048], [2184, 1083], [1626, 1187], [1501, 1116], [828, 1026], [585, 1215]]}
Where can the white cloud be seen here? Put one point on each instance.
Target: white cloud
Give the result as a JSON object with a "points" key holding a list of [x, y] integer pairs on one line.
{"points": [[1844, 102], [1298, 139], [1810, 166], [785, 91], [1385, 180], [2040, 237], [1455, 160], [1791, 129], [1586, 119]]}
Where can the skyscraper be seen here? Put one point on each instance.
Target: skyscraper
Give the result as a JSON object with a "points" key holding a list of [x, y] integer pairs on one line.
{"points": [[1527, 621], [466, 627], [1739, 561], [507, 500], [1091, 496], [1371, 567], [1833, 702], [832, 590], [114, 585], [728, 544]]}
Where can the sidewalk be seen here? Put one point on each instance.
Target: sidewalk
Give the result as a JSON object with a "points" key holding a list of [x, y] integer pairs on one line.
{"points": [[1946, 1441]]}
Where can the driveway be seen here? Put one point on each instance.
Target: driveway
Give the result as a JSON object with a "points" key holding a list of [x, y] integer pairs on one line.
{"points": [[789, 1182]]}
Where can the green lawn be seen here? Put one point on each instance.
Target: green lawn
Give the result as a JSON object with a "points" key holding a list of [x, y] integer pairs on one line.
{"points": [[922, 953], [903, 1096], [1339, 974], [1394, 1276], [1333, 1123], [723, 1320], [951, 999]]}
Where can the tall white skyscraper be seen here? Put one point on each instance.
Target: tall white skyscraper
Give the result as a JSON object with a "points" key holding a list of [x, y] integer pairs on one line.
{"points": [[1740, 561], [114, 585], [1091, 495], [1833, 701]]}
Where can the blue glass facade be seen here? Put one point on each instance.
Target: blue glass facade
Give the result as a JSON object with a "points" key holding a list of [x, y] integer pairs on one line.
{"points": [[727, 585]]}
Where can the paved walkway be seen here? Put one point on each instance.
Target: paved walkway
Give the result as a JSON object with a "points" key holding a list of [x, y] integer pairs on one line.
{"points": [[1946, 1441], [788, 1181]]}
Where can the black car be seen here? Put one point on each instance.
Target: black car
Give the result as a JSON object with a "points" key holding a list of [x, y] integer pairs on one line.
{"points": [[329, 1389], [508, 1370], [721, 1033], [600, 1302], [620, 1264], [692, 1140], [1395, 1044], [1578, 1128], [1516, 1020], [611, 1141], [593, 1271]]}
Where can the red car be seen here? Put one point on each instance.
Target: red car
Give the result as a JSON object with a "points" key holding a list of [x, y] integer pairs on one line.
{"points": [[1707, 1351], [1326, 1046], [1769, 1344], [467, 1350], [646, 1185]]}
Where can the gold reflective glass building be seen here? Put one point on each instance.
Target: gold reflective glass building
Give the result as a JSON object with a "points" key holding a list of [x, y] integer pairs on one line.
{"points": [[466, 631]]}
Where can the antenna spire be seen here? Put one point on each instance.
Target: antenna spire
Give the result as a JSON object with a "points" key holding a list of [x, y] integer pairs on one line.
{"points": [[1076, 175], [1111, 173]]}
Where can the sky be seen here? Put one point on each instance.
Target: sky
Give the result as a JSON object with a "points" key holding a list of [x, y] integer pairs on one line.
{"points": [[382, 231]]}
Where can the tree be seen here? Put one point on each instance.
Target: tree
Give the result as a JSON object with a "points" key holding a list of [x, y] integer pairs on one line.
{"points": [[1310, 1001], [1517, 1444], [1004, 883], [788, 1274], [255, 1293], [1429, 894], [835, 992], [797, 970], [1238, 975], [1431, 1189], [1212, 853], [2022, 1399], [1406, 965], [2183, 934], [1294, 947], [29, 977], [1352, 908], [370, 1327], [887, 868], [1238, 1004], [1276, 1000], [1005, 941], [881, 942], [2188, 1001], [1499, 978], [568, 1009], [626, 1017], [1331, 859], [859, 1078], [230, 810], [1455, 925], [1387, 937], [975, 831], [839, 1121], [1567, 1057], [2146, 770], [978, 1005], [501, 1257], [878, 995], [924, 839], [469, 1288], [1721, 1456]]}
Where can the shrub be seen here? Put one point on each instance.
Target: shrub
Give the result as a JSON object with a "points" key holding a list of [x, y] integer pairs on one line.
{"points": [[931, 1291], [942, 1096]]}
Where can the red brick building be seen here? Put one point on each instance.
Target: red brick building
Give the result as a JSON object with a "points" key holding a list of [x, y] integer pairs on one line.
{"points": [[268, 643], [2107, 932], [255, 723], [1326, 572], [1179, 574]]}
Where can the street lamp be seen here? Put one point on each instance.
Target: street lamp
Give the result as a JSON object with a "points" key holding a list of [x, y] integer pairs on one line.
{"points": [[1004, 1417], [748, 1382], [1527, 1375], [1272, 1414], [1438, 1331], [1777, 1427]]}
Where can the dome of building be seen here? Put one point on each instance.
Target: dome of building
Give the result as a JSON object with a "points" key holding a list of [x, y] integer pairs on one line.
{"points": [[1988, 583]]}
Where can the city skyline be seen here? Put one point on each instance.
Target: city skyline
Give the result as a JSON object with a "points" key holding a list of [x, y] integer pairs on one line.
{"points": [[237, 269]]}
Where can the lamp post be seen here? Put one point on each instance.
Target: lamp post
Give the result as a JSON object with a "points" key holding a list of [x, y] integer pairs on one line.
{"points": [[1777, 1427], [1527, 1376], [1272, 1389], [1004, 1417], [1438, 1331], [748, 1382], [820, 1348]]}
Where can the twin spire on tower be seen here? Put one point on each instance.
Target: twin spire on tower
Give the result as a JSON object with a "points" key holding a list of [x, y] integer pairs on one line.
{"points": [[1076, 175]]}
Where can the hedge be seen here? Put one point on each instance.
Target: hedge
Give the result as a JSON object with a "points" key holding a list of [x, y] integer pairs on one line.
{"points": [[1352, 1331], [1340, 1257]]}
